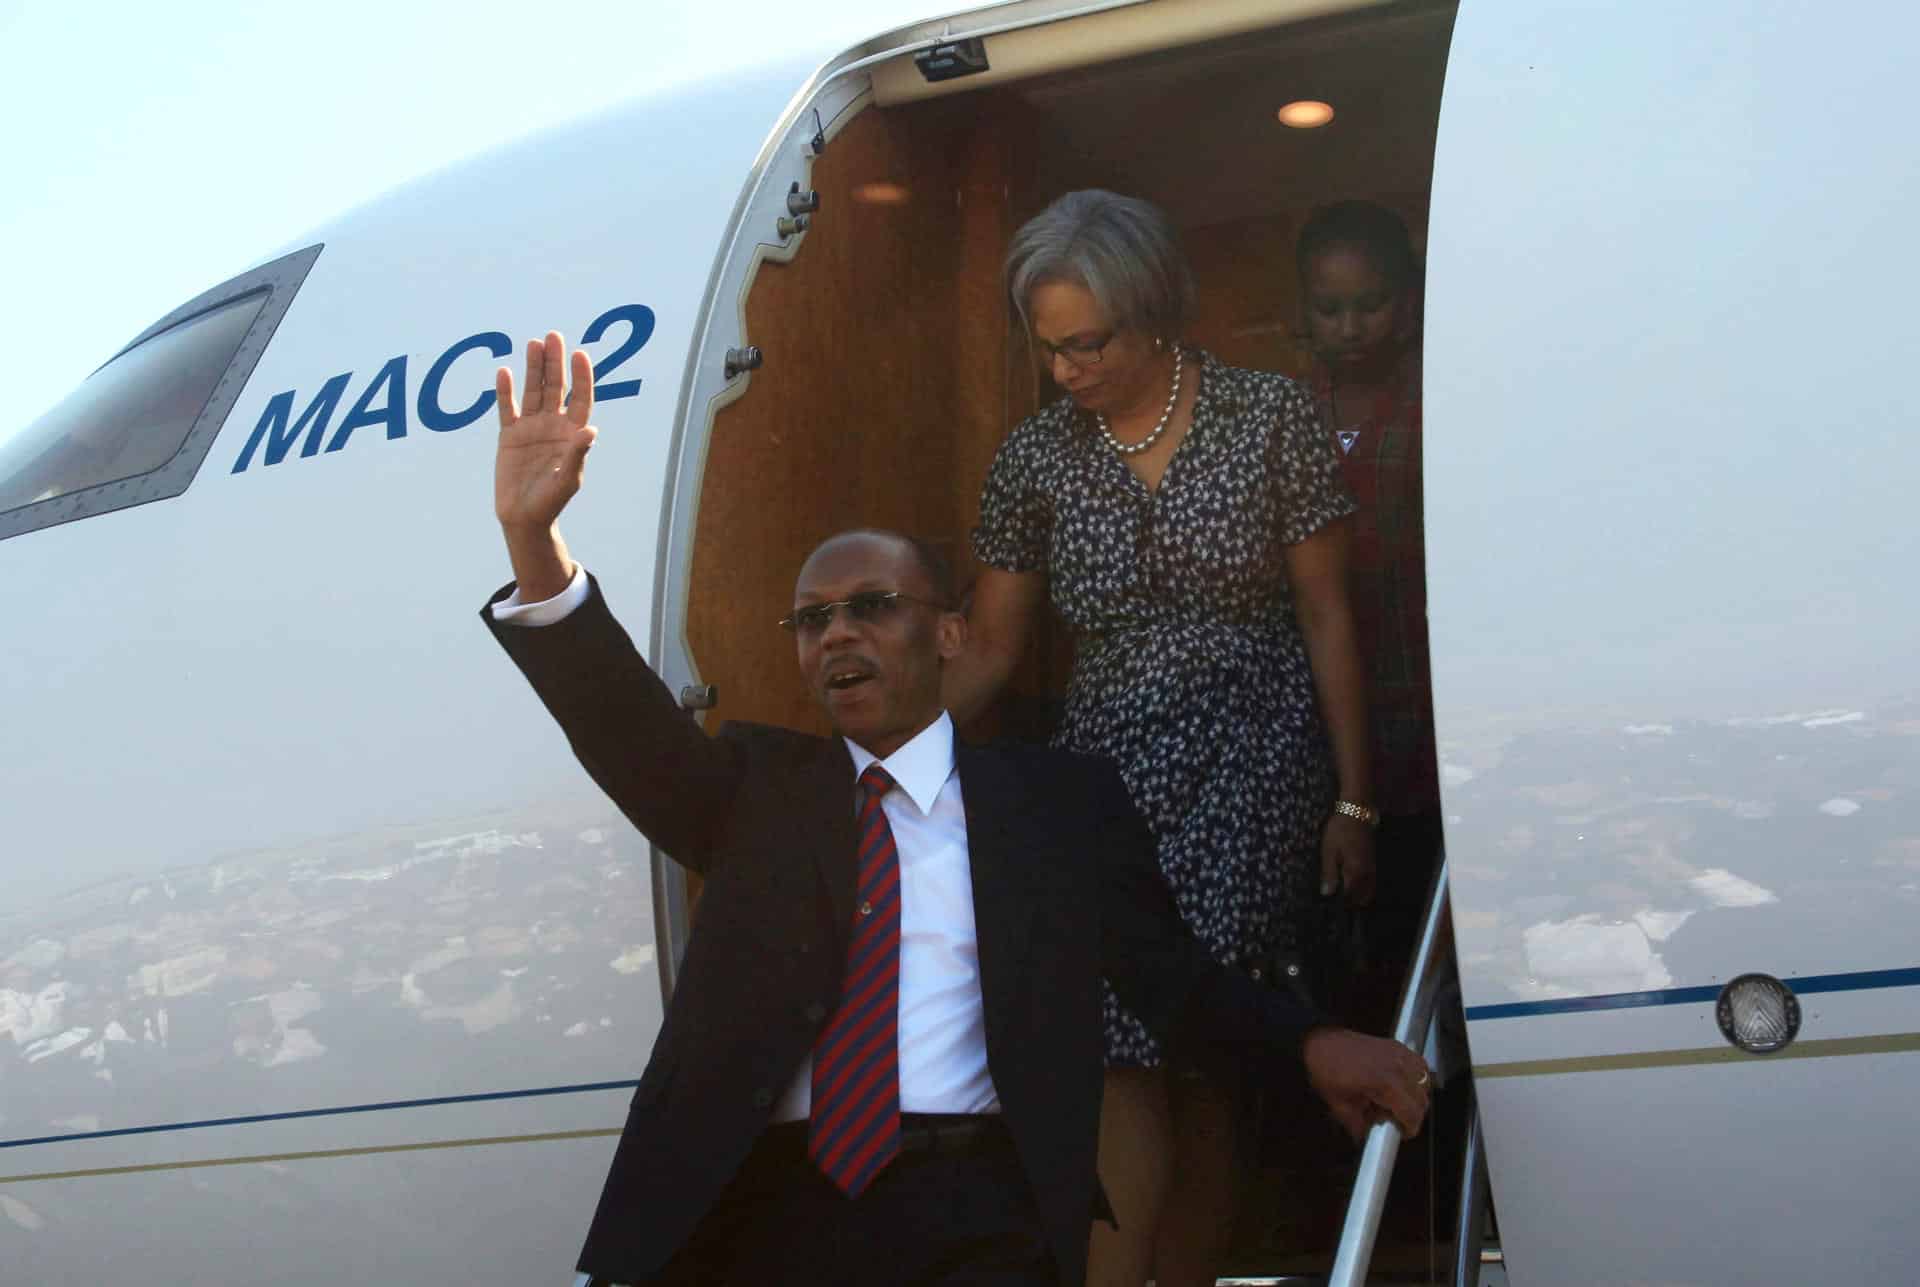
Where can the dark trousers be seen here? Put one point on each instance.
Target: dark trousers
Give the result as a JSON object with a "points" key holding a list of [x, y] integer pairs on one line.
{"points": [[1406, 853], [956, 1215]]}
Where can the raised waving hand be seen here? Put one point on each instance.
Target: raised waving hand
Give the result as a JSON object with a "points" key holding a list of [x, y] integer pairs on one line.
{"points": [[542, 455]]}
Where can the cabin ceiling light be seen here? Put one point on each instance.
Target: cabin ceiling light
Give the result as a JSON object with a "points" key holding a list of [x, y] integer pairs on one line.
{"points": [[880, 194], [1305, 114]]}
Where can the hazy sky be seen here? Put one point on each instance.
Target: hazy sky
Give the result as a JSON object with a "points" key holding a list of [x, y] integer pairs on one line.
{"points": [[154, 150]]}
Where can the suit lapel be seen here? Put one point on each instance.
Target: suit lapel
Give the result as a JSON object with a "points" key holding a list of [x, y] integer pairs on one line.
{"points": [[1001, 910], [823, 826]]}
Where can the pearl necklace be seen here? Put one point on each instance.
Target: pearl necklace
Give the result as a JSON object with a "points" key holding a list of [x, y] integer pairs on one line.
{"points": [[1166, 418]]}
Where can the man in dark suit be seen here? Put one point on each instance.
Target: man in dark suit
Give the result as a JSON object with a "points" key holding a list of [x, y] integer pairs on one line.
{"points": [[882, 1061]]}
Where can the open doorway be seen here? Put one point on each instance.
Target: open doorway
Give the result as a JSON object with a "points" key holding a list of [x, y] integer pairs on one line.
{"points": [[896, 367]]}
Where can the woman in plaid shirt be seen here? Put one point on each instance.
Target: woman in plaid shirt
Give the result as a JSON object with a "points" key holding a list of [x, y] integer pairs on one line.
{"points": [[1361, 284]]}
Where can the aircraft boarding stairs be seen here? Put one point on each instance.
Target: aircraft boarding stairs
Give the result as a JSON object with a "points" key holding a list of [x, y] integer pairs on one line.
{"points": [[1428, 1017]]}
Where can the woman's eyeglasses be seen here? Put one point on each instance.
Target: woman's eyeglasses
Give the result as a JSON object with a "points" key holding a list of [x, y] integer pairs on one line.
{"points": [[1077, 352], [866, 607]]}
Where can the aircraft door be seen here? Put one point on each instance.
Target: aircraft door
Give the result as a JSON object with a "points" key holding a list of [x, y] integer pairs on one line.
{"points": [[1669, 453]]}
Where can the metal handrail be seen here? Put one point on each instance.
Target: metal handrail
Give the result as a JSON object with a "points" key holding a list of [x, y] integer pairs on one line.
{"points": [[1413, 1022], [1471, 1219]]}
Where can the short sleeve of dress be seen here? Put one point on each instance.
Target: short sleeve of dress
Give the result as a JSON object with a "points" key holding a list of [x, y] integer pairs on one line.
{"points": [[1306, 472], [1016, 514]]}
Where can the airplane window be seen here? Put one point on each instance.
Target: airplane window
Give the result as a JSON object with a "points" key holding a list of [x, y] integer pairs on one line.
{"points": [[138, 429], [130, 416]]}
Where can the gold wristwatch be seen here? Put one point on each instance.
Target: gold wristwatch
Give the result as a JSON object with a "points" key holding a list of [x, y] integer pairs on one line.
{"points": [[1358, 812]]}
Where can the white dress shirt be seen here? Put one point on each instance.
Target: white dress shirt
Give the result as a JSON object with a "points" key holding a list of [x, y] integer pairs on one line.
{"points": [[943, 1043]]}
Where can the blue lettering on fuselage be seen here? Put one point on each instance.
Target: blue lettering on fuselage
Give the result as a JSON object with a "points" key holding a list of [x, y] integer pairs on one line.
{"points": [[280, 435], [392, 381], [384, 399], [433, 413]]}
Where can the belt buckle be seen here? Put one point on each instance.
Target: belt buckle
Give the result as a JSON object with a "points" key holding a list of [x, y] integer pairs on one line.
{"points": [[919, 1138], [940, 1137]]}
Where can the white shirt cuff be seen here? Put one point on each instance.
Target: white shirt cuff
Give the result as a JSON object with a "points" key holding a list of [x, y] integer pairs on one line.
{"points": [[512, 611]]}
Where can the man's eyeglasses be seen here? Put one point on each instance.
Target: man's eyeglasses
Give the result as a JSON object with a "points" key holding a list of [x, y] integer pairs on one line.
{"points": [[867, 607], [1076, 352]]}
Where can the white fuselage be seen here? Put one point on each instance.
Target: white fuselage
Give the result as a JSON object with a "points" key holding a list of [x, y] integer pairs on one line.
{"points": [[320, 952]]}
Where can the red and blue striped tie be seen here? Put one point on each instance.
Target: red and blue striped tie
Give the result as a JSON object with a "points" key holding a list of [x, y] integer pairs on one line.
{"points": [[854, 1126]]}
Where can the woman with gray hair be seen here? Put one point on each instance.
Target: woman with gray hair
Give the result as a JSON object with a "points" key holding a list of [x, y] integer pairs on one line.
{"points": [[1187, 520]]}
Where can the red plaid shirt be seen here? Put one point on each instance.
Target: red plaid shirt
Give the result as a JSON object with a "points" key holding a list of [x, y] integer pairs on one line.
{"points": [[1378, 442]]}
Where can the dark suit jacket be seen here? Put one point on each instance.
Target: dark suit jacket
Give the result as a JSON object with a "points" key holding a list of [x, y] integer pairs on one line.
{"points": [[1066, 888]]}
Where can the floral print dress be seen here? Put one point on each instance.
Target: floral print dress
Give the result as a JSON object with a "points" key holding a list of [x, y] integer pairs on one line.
{"points": [[1189, 669]]}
